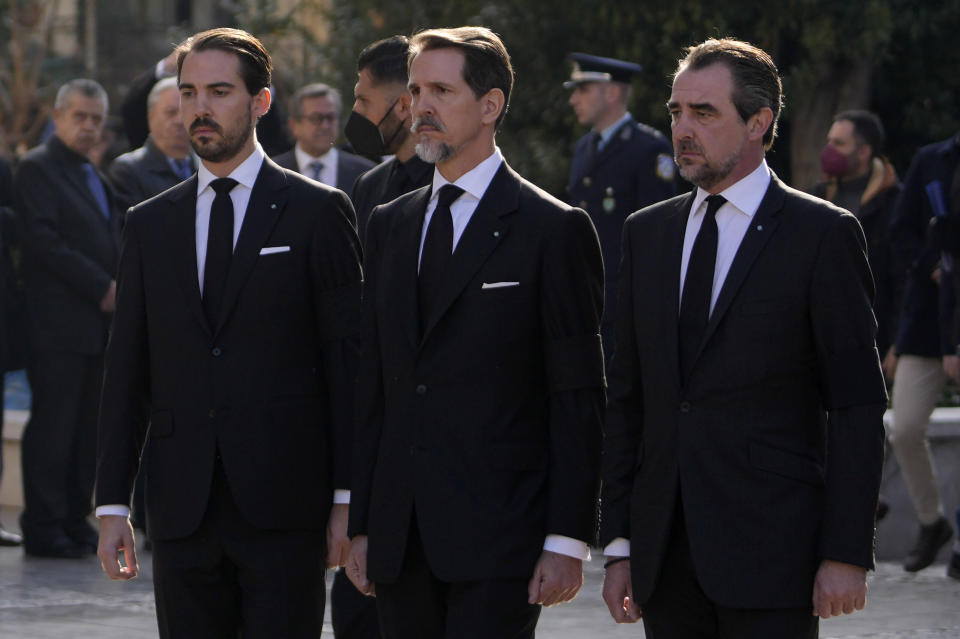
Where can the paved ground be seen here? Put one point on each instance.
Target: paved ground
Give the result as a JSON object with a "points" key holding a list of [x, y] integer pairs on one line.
{"points": [[57, 599]]}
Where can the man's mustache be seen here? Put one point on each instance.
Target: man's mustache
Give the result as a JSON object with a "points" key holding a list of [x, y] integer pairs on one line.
{"points": [[426, 120], [205, 122], [688, 145]]}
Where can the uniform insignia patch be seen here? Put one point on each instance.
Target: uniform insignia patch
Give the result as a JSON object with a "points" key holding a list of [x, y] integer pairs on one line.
{"points": [[666, 169]]}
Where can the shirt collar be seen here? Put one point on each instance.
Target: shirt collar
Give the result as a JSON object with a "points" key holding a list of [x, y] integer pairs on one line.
{"points": [[245, 174], [304, 159], [608, 132], [475, 181], [745, 195]]}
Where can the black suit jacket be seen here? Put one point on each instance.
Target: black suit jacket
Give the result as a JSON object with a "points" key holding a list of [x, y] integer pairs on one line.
{"points": [[787, 371], [381, 184], [490, 422], [269, 387], [349, 167], [70, 249], [140, 174]]}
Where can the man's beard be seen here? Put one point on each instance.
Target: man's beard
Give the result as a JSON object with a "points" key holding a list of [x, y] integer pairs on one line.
{"points": [[432, 151], [224, 149], [708, 174]]}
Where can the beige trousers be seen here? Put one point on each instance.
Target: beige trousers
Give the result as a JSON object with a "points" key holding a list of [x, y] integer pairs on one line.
{"points": [[916, 387]]}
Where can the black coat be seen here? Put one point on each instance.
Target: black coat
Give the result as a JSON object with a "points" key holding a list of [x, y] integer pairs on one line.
{"points": [[270, 387], [70, 249], [787, 371], [490, 422], [380, 185]]}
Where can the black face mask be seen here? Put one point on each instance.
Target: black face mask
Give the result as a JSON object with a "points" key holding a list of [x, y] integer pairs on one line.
{"points": [[365, 136]]}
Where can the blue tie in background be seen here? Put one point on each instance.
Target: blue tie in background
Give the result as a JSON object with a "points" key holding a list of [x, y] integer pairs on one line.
{"points": [[96, 189], [315, 168], [183, 168]]}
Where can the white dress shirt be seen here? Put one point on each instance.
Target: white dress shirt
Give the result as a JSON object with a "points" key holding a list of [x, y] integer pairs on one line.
{"points": [[330, 161], [474, 184], [733, 220]]}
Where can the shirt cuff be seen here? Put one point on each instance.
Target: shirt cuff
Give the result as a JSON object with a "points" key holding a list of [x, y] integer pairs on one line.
{"points": [[113, 509], [567, 546], [341, 496], [619, 547]]}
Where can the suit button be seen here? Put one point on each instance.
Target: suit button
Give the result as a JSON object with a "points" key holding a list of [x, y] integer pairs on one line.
{"points": [[685, 407], [216, 352], [587, 181], [212, 414], [421, 389], [583, 204]]}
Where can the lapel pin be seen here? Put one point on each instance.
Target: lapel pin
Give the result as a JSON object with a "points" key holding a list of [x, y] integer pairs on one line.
{"points": [[496, 233], [759, 227], [273, 206]]}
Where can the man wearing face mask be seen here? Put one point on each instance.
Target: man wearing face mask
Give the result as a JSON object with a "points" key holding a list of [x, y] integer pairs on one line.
{"points": [[380, 125], [858, 178]]}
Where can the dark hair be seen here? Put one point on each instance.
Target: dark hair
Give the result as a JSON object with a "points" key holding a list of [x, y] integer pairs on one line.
{"points": [[386, 60], [255, 64], [315, 90], [756, 82], [867, 128], [486, 63]]}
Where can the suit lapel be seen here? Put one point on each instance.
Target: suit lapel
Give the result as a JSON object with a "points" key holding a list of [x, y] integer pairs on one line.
{"points": [[405, 240], [671, 258], [484, 231], [182, 235], [267, 201], [762, 227]]}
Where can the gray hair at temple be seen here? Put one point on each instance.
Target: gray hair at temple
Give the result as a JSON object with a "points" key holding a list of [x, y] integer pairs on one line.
{"points": [[315, 90], [163, 85], [83, 86]]}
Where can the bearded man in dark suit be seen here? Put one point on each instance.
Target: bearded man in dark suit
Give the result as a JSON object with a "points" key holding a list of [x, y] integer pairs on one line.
{"points": [[744, 354], [481, 384], [238, 300]]}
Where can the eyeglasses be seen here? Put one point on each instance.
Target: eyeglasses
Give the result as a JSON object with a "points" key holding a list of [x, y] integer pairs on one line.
{"points": [[317, 119]]}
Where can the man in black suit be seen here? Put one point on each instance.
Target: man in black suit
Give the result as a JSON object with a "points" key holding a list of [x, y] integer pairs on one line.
{"points": [[164, 159], [238, 300], [70, 237], [315, 124], [744, 353], [380, 125], [481, 384]]}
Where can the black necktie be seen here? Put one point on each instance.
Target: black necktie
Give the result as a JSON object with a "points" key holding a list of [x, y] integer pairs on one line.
{"points": [[698, 287], [219, 248], [437, 249]]}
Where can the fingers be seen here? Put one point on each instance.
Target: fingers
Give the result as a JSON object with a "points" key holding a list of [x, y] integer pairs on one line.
{"points": [[338, 543], [533, 588], [356, 567], [116, 537], [618, 594]]}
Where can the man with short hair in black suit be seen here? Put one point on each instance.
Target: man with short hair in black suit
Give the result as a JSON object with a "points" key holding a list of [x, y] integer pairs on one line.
{"points": [[380, 125], [237, 307], [70, 236], [744, 437], [164, 159], [315, 123], [481, 384]]}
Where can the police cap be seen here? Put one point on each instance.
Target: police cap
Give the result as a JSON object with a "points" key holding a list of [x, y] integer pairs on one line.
{"points": [[593, 68]]}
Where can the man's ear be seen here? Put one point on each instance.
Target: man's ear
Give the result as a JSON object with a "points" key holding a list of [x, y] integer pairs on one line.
{"points": [[402, 107], [261, 102], [492, 105], [758, 123]]}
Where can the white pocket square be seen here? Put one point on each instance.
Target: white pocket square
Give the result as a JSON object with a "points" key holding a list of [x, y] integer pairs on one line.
{"points": [[499, 284], [270, 250]]}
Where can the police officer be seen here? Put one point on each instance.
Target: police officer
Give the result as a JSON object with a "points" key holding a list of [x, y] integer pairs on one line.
{"points": [[618, 167]]}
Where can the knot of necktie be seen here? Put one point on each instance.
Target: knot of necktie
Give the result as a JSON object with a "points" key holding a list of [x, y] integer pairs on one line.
{"points": [[223, 186], [448, 195]]}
